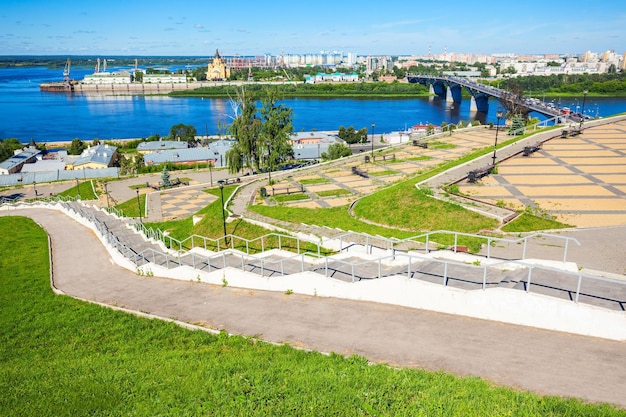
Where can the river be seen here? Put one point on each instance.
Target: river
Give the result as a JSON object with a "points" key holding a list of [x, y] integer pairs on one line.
{"points": [[28, 113]]}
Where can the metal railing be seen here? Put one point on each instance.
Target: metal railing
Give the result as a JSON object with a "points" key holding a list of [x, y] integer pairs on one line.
{"points": [[426, 243], [572, 285]]}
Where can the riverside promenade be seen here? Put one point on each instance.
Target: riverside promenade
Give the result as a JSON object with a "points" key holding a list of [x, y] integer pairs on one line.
{"points": [[521, 357]]}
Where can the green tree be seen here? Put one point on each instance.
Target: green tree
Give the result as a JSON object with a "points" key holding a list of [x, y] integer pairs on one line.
{"points": [[199, 73], [336, 151], [184, 132], [275, 134], [245, 130], [8, 147], [125, 165], [139, 162], [400, 73], [138, 76], [76, 147], [348, 135], [165, 177], [351, 136], [517, 125]]}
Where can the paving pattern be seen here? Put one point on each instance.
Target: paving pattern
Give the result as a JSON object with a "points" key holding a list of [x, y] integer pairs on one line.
{"points": [[183, 203], [389, 166], [579, 180]]}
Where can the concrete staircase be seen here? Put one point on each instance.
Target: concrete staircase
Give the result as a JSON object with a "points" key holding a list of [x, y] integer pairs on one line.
{"points": [[356, 263]]}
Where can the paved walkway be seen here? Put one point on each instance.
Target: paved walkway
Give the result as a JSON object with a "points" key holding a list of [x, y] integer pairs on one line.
{"points": [[525, 358]]}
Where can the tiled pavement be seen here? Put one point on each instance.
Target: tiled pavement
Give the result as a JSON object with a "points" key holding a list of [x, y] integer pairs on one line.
{"points": [[183, 203], [579, 180]]}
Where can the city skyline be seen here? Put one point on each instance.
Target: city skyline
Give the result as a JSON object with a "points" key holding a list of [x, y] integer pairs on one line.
{"points": [[34, 27]]}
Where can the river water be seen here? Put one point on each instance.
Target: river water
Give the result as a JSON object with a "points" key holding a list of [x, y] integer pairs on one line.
{"points": [[28, 113]]}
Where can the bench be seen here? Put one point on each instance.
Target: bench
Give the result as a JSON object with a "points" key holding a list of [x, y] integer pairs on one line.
{"points": [[385, 157], [420, 143], [282, 190], [159, 185], [230, 181], [156, 186], [360, 172], [529, 150], [573, 132], [477, 174]]}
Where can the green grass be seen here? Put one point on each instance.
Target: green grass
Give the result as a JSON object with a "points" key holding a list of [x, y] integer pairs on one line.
{"points": [[383, 173], [211, 226], [334, 217], [420, 158], [84, 189], [63, 357], [527, 222], [312, 181], [441, 145], [333, 193], [130, 208], [400, 210], [283, 198]]}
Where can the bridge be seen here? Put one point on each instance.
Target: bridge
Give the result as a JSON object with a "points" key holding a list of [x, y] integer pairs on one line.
{"points": [[451, 87]]}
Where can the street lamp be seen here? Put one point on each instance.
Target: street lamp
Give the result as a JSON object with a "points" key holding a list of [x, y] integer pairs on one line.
{"points": [[373, 126], [35, 188], [582, 113], [221, 183], [139, 205], [495, 145], [106, 192], [211, 172]]}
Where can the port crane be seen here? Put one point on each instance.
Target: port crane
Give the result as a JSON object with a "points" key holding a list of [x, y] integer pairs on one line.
{"points": [[66, 71]]}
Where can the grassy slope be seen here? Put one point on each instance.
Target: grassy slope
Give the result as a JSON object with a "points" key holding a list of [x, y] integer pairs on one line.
{"points": [[63, 357]]}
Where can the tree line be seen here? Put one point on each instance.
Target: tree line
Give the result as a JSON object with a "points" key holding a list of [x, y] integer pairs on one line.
{"points": [[360, 89], [609, 84]]}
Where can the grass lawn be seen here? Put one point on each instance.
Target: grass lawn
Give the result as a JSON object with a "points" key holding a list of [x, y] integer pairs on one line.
{"points": [[527, 222], [402, 210], [283, 198], [383, 173], [85, 189], [212, 226], [63, 357], [312, 181], [130, 208], [333, 193]]}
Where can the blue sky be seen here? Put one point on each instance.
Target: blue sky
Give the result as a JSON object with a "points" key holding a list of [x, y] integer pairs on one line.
{"points": [[158, 27]]}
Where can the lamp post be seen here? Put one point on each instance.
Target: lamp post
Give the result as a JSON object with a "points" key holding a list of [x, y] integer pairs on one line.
{"points": [[221, 183], [139, 205], [35, 188], [106, 192], [495, 145], [373, 126], [582, 113]]}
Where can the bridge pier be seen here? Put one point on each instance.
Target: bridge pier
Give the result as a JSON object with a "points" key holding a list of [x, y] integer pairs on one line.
{"points": [[456, 91], [440, 89], [482, 102]]}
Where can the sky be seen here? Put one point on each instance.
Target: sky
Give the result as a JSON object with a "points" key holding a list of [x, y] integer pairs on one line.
{"points": [[198, 28]]}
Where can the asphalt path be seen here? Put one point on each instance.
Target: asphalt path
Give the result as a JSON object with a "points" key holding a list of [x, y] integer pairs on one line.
{"points": [[515, 356]]}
